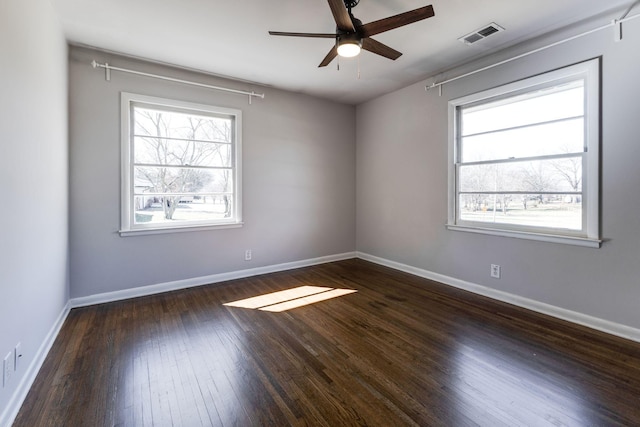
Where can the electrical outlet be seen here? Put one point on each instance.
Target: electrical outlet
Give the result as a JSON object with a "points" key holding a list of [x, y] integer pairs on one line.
{"points": [[17, 356], [7, 368], [247, 255], [495, 271]]}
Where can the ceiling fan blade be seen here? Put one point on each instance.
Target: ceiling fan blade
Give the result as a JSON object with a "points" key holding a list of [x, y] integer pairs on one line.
{"points": [[386, 24], [327, 59], [381, 49], [341, 15], [316, 35]]}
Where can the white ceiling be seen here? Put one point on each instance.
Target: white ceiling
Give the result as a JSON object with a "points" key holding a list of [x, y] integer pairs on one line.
{"points": [[230, 38]]}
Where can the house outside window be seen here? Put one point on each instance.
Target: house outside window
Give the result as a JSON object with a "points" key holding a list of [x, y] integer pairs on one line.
{"points": [[524, 158], [180, 165]]}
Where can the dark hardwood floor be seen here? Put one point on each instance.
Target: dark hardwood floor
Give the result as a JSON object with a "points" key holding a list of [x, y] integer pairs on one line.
{"points": [[400, 351]]}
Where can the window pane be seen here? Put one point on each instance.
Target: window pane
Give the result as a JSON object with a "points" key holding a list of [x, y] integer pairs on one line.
{"points": [[545, 139], [182, 180], [162, 210], [176, 152], [181, 125], [550, 211], [557, 175], [544, 105]]}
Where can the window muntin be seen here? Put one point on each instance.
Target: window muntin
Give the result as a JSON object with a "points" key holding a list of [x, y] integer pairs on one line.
{"points": [[181, 165], [525, 156]]}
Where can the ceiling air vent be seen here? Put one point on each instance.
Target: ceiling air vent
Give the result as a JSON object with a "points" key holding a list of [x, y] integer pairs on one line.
{"points": [[481, 33]]}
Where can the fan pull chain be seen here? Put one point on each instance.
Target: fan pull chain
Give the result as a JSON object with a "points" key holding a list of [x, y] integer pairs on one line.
{"points": [[358, 67]]}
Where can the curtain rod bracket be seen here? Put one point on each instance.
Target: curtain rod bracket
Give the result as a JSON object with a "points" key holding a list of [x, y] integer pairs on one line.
{"points": [[107, 70], [433, 85], [617, 26]]}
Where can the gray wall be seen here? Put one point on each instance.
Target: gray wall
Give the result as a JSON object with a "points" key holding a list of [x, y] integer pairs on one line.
{"points": [[402, 189], [298, 182], [33, 173]]}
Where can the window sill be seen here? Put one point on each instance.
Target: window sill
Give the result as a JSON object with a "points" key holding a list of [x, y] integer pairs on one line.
{"points": [[567, 240], [183, 229]]}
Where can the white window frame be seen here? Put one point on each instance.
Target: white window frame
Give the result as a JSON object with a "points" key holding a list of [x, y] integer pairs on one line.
{"points": [[590, 236], [128, 227]]}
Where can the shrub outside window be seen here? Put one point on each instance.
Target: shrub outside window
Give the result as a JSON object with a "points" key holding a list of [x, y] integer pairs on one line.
{"points": [[524, 158]]}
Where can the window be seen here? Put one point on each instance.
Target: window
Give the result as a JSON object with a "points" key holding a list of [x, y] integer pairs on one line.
{"points": [[524, 158], [180, 165]]}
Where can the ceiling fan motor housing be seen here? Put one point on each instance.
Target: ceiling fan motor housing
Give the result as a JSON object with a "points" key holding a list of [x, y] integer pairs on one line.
{"points": [[350, 38], [356, 24]]}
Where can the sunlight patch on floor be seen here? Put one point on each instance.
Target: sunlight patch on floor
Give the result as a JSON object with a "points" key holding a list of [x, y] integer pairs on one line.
{"points": [[290, 298]]}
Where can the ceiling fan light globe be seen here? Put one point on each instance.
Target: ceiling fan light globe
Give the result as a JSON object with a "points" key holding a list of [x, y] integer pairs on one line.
{"points": [[349, 50]]}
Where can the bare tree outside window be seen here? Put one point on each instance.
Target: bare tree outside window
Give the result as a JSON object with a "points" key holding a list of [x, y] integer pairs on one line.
{"points": [[182, 164], [181, 158]]}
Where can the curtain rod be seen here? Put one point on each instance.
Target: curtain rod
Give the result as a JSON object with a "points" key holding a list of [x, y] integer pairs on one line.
{"points": [[615, 22], [108, 68]]}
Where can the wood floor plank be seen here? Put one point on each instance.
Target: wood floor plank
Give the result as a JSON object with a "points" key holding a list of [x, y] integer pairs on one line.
{"points": [[401, 351]]}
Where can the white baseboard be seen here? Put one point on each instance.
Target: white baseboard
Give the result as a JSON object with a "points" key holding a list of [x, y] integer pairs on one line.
{"points": [[602, 325], [204, 280], [11, 411]]}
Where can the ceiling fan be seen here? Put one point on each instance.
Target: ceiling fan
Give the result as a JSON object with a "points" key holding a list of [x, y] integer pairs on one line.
{"points": [[351, 35]]}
